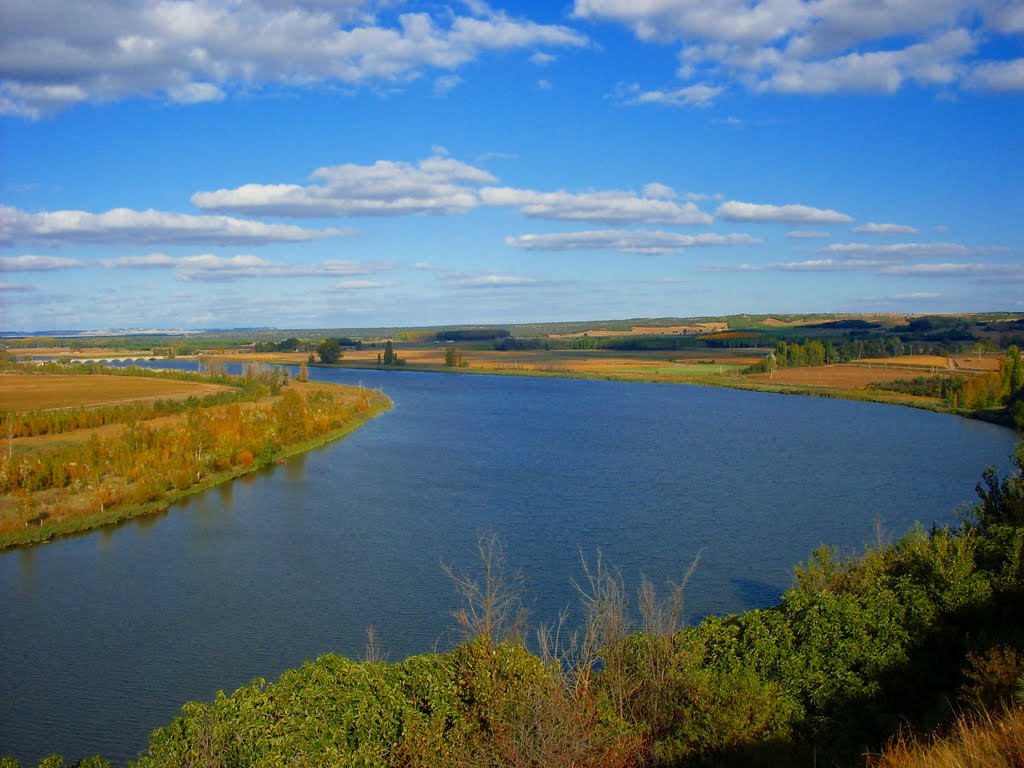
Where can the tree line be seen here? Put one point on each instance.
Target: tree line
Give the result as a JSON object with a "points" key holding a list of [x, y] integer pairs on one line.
{"points": [[991, 390], [145, 462]]}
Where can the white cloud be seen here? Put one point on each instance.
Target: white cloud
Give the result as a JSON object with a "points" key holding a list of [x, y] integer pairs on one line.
{"points": [[785, 214], [808, 234], [57, 54], [542, 59], [195, 93], [917, 296], [625, 240], [123, 225], [933, 62], [667, 20], [998, 75], [877, 228], [607, 207], [794, 46], [360, 285], [32, 263], [492, 280], [905, 251], [809, 265], [656, 190], [438, 185], [995, 273], [210, 267], [696, 95], [149, 261], [446, 83]]}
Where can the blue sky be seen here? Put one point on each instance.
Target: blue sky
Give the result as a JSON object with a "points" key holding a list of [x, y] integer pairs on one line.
{"points": [[343, 163]]}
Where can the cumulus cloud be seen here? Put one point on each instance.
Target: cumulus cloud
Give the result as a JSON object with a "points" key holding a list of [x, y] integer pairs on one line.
{"points": [[891, 266], [808, 234], [123, 225], [360, 285], [994, 273], [446, 83], [825, 47], [148, 261], [211, 267], [998, 75], [438, 185], [809, 265], [606, 207], [902, 251], [695, 95], [32, 263], [56, 54], [733, 210], [625, 240], [877, 228], [491, 280], [933, 62]]}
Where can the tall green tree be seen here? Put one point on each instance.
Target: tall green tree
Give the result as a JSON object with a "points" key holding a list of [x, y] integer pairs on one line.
{"points": [[453, 358], [329, 351], [1011, 371]]}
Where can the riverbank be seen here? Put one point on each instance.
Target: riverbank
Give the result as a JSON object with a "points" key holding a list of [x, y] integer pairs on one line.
{"points": [[729, 378], [111, 499]]}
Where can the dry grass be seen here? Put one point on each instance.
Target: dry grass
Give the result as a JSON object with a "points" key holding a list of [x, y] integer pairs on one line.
{"points": [[104, 352], [984, 742], [269, 358], [22, 392]]}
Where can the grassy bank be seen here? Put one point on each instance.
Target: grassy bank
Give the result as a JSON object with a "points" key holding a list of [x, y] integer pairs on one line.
{"points": [[142, 469], [697, 377]]}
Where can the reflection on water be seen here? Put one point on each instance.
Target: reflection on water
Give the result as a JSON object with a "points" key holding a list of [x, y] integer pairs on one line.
{"points": [[106, 635]]}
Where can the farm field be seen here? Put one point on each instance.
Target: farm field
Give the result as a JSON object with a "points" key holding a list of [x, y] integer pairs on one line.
{"points": [[88, 449], [27, 391], [938, 362], [843, 376]]}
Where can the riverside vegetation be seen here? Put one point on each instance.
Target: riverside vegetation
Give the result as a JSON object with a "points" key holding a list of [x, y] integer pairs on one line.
{"points": [[70, 469], [858, 663]]}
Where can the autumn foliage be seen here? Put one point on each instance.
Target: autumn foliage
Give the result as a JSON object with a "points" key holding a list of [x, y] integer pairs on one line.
{"points": [[145, 462]]}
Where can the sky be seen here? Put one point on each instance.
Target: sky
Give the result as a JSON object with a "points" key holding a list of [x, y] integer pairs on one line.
{"points": [[350, 163]]}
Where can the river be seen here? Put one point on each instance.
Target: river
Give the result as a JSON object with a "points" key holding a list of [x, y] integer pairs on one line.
{"points": [[105, 635]]}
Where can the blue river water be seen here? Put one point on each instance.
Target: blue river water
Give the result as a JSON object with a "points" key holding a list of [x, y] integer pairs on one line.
{"points": [[105, 635]]}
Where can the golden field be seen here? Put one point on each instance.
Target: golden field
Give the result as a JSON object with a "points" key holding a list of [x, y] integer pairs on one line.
{"points": [[26, 391]]}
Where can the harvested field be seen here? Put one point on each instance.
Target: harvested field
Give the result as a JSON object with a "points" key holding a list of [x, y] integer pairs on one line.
{"points": [[84, 352], [917, 361], [978, 362], [847, 376], [22, 392]]}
